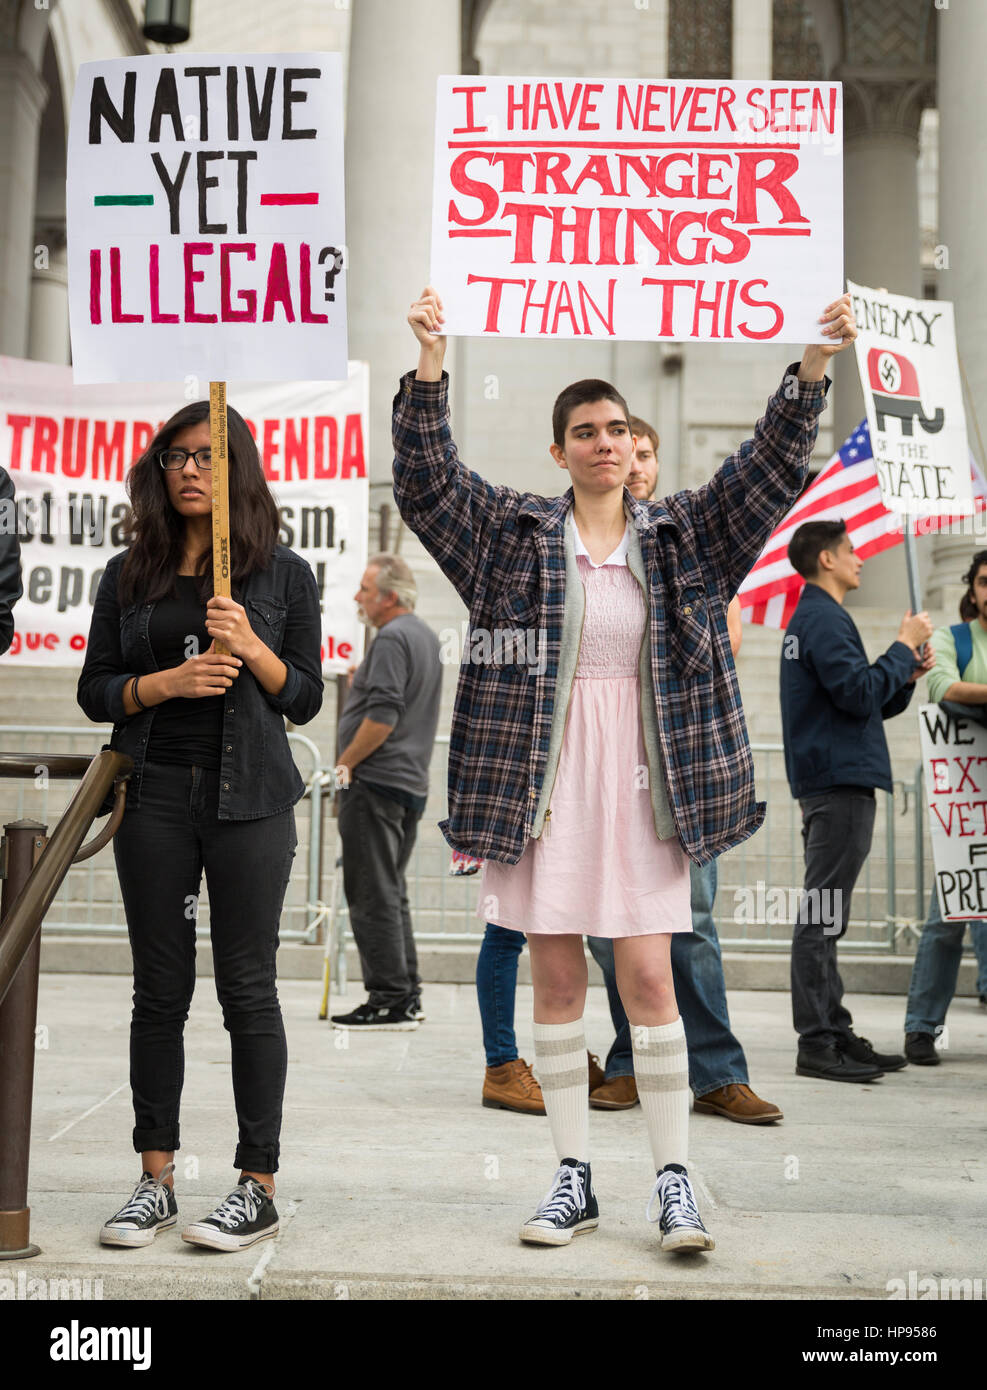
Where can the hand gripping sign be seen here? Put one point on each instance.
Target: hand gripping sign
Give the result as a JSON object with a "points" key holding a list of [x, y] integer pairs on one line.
{"points": [[637, 210]]}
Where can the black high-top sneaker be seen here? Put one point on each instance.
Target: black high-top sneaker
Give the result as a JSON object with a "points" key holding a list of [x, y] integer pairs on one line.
{"points": [[679, 1221], [151, 1209], [247, 1215], [568, 1208]]}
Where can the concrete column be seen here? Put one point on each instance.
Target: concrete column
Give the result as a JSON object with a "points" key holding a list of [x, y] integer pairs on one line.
{"points": [[396, 54], [962, 209], [751, 39], [22, 100], [48, 338]]}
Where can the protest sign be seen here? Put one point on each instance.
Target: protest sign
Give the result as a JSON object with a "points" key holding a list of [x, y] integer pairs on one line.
{"points": [[68, 450], [909, 372], [637, 210], [205, 219], [954, 755]]}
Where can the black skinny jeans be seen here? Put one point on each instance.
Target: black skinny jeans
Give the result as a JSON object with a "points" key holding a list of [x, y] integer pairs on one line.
{"points": [[161, 850]]}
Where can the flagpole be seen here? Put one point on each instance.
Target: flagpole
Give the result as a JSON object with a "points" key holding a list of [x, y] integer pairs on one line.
{"points": [[911, 565]]}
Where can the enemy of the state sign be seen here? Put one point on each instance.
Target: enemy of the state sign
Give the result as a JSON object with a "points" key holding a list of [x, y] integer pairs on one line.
{"points": [[637, 210], [909, 371], [205, 219]]}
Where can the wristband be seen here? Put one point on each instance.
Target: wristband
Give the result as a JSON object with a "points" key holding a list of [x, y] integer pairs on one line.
{"points": [[133, 691]]}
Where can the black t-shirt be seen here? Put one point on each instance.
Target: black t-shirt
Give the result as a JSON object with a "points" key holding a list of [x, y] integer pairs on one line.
{"points": [[186, 731]]}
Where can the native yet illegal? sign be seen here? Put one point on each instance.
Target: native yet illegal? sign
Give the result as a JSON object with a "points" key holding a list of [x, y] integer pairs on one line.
{"points": [[637, 210], [205, 219]]}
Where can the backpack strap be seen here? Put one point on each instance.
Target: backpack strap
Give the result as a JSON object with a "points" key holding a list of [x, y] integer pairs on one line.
{"points": [[963, 641]]}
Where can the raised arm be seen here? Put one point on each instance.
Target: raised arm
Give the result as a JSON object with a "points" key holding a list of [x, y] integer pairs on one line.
{"points": [[451, 509]]}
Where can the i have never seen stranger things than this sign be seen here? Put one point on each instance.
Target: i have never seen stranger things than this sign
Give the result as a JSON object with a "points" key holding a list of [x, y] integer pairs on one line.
{"points": [[205, 219], [710, 211], [954, 755]]}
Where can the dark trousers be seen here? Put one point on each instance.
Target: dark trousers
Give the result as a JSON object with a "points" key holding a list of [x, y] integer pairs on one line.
{"points": [[837, 827], [377, 837], [161, 850]]}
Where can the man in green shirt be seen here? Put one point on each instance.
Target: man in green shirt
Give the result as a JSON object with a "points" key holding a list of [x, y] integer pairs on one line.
{"points": [[940, 947]]}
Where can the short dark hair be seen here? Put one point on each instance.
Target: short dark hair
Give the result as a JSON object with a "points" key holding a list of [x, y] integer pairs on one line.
{"points": [[976, 563], [583, 393], [809, 540], [640, 427]]}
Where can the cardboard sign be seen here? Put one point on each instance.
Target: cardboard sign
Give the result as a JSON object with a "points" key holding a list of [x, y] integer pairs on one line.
{"points": [[68, 450], [954, 755], [909, 372], [637, 210], [205, 219]]}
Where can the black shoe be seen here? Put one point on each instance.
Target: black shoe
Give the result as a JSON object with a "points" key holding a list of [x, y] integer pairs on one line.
{"points": [[415, 1009], [371, 1019], [678, 1215], [829, 1064], [246, 1216], [860, 1050], [151, 1209], [568, 1208], [921, 1049]]}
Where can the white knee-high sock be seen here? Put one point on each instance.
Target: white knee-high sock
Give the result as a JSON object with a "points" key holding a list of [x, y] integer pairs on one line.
{"points": [[560, 1056], [661, 1069]]}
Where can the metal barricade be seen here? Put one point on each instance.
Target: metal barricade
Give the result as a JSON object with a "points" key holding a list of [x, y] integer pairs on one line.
{"points": [[89, 900]]}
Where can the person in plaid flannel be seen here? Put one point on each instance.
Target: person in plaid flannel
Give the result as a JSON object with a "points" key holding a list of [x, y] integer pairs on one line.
{"points": [[586, 781]]}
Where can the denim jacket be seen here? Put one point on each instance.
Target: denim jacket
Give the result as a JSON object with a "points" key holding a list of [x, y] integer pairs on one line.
{"points": [[257, 776]]}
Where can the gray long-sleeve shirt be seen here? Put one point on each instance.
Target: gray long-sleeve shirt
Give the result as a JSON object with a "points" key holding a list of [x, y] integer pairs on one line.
{"points": [[399, 683]]}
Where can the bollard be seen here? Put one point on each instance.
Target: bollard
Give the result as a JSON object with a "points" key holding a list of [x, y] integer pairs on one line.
{"points": [[23, 844]]}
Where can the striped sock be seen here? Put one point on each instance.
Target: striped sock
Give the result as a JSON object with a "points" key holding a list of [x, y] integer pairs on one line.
{"points": [[560, 1056], [661, 1069]]}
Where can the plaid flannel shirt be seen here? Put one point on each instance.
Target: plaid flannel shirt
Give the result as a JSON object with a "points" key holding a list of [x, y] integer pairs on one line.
{"points": [[503, 550]]}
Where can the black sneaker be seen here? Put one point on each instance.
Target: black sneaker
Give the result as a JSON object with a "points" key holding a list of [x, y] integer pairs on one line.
{"points": [[921, 1049], [151, 1209], [861, 1050], [568, 1208], [830, 1064], [678, 1216], [247, 1215], [371, 1019], [415, 1009]]}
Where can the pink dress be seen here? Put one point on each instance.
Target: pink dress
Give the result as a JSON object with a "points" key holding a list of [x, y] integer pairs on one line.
{"points": [[598, 868]]}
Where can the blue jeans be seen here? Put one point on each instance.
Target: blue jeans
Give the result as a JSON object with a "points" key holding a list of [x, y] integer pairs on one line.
{"points": [[937, 964], [496, 986], [715, 1056]]}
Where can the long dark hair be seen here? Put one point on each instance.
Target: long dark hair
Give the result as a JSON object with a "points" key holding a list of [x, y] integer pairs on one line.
{"points": [[158, 530]]}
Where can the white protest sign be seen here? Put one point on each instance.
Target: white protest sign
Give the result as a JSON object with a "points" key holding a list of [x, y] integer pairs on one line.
{"points": [[954, 755], [637, 210], [205, 219], [68, 450], [906, 356]]}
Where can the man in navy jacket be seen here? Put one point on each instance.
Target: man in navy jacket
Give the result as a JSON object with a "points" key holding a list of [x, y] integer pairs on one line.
{"points": [[833, 704]]}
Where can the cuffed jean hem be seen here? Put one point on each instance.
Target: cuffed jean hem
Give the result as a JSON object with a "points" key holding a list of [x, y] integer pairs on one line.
{"points": [[501, 1061], [161, 1140], [613, 1072], [717, 1085], [257, 1160]]}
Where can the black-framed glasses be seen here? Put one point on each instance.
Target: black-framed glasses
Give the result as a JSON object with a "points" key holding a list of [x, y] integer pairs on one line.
{"points": [[177, 458]]}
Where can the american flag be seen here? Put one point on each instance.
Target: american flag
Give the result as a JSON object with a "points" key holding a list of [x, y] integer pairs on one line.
{"points": [[847, 489]]}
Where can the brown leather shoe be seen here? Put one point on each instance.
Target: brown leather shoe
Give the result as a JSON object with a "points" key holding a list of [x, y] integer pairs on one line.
{"points": [[737, 1102], [513, 1087], [620, 1093], [597, 1075]]}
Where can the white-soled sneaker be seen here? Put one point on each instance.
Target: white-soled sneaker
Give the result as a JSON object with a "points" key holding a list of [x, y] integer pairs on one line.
{"points": [[151, 1209], [247, 1215], [567, 1209], [678, 1216]]}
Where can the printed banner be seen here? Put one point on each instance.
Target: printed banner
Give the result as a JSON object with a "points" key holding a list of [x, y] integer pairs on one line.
{"points": [[68, 450], [637, 210], [205, 219], [909, 371], [954, 755]]}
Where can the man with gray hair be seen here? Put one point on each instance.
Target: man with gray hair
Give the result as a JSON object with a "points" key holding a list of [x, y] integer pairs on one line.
{"points": [[386, 733]]}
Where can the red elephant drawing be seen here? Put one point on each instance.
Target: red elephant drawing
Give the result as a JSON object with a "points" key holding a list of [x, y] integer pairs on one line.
{"points": [[894, 382]]}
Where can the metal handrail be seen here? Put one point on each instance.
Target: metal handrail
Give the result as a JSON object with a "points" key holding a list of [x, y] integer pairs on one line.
{"points": [[23, 921]]}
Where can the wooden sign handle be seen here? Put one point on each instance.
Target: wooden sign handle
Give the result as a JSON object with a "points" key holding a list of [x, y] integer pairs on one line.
{"points": [[220, 495]]}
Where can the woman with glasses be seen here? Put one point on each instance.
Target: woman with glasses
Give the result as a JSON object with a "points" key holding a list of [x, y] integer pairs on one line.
{"points": [[213, 788]]}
